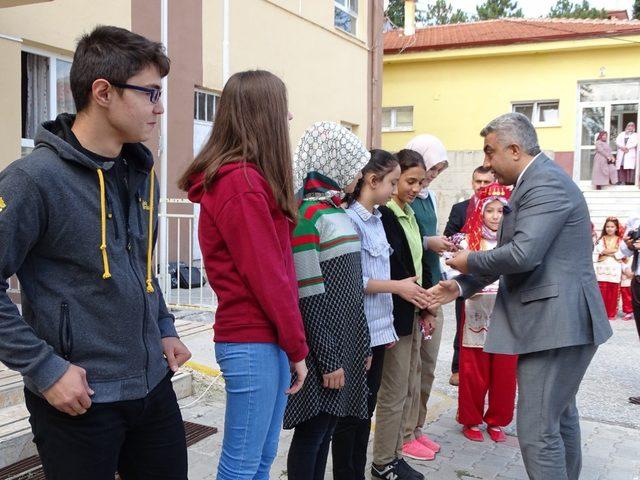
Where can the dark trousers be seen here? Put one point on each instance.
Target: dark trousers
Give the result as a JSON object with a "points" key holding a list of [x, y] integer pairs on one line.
{"points": [[351, 437], [635, 300], [309, 448], [141, 439], [455, 363]]}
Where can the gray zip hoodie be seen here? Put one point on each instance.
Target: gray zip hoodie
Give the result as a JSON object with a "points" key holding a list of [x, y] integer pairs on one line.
{"points": [[88, 295]]}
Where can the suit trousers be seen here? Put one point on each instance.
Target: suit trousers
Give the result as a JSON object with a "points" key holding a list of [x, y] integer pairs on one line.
{"points": [[401, 366], [416, 410], [635, 300], [547, 419]]}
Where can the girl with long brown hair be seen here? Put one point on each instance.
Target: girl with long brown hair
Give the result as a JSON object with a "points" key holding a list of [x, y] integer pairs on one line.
{"points": [[243, 181]]}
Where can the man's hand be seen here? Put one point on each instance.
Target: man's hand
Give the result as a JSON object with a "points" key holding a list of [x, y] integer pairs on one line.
{"points": [[411, 291], [333, 380], [633, 245], [71, 393], [459, 261], [439, 244], [176, 352], [300, 369], [446, 291]]}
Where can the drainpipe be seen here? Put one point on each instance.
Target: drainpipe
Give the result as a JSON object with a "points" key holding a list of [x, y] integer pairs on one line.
{"points": [[374, 86], [225, 42], [409, 17], [163, 247]]}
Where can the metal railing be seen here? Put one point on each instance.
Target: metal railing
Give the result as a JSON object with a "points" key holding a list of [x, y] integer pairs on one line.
{"points": [[183, 279]]}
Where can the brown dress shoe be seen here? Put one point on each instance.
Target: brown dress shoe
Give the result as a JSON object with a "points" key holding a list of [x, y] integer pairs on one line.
{"points": [[454, 379]]}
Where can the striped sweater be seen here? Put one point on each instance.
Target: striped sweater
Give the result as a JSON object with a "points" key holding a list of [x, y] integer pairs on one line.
{"points": [[326, 252]]}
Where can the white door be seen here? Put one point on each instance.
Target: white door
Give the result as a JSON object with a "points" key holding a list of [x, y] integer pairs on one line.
{"points": [[201, 132]]}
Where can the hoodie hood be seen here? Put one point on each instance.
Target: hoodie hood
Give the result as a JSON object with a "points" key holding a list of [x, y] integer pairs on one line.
{"points": [[196, 181], [56, 135]]}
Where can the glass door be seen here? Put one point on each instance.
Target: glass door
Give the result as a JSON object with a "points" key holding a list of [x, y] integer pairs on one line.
{"points": [[593, 120]]}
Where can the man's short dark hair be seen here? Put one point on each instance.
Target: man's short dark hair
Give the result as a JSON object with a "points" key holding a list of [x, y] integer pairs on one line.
{"points": [[115, 54], [481, 170]]}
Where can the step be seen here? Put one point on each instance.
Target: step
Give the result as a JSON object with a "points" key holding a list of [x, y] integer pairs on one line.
{"points": [[15, 431]]}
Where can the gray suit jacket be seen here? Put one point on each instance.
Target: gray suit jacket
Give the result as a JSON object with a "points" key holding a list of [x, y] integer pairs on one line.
{"points": [[548, 296]]}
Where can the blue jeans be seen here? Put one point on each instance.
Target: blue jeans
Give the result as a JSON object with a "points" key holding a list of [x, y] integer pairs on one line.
{"points": [[256, 377]]}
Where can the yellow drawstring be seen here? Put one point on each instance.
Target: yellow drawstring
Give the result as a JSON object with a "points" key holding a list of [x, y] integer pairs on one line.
{"points": [[103, 224], [150, 288]]}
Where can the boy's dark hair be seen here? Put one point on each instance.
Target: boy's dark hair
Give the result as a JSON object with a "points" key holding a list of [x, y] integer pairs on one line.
{"points": [[380, 164], [115, 54], [409, 158]]}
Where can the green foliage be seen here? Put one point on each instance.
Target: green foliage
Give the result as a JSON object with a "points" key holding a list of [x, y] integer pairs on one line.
{"points": [[441, 13], [567, 9], [636, 9], [491, 9], [395, 13]]}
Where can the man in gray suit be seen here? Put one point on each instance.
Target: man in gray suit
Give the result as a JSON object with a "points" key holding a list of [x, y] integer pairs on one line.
{"points": [[548, 309]]}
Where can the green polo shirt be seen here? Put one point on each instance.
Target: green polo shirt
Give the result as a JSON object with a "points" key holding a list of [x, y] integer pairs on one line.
{"points": [[409, 224]]}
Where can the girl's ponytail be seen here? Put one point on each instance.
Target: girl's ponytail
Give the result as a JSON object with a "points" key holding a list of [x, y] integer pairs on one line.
{"points": [[380, 164]]}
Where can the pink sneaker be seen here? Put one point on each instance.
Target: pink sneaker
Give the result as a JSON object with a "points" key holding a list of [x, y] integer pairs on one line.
{"points": [[427, 442], [628, 316], [416, 450]]}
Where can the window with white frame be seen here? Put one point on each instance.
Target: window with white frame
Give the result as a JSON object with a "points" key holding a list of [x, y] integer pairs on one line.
{"points": [[541, 112], [46, 92], [205, 105], [397, 119], [346, 15]]}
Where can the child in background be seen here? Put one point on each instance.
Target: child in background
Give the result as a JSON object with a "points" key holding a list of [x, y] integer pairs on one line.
{"points": [[625, 288], [608, 265], [326, 251]]}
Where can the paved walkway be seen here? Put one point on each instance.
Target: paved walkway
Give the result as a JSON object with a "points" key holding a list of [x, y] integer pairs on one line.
{"points": [[610, 425]]}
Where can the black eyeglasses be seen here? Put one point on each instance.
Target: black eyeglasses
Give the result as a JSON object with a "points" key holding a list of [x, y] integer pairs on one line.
{"points": [[154, 93]]}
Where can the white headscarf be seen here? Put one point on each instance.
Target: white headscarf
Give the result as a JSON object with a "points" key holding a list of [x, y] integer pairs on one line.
{"points": [[433, 152]]}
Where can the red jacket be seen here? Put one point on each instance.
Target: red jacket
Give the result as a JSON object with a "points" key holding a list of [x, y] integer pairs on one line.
{"points": [[245, 240]]}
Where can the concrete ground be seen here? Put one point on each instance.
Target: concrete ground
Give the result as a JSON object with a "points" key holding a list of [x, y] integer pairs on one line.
{"points": [[610, 425]]}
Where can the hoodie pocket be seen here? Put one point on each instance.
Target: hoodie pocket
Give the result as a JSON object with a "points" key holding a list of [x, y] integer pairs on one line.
{"points": [[65, 332]]}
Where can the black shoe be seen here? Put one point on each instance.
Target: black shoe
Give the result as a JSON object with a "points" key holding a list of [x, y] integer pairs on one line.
{"points": [[396, 470], [407, 470], [634, 400]]}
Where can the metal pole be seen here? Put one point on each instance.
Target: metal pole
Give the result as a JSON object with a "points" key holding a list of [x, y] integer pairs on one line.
{"points": [[225, 42], [163, 247]]}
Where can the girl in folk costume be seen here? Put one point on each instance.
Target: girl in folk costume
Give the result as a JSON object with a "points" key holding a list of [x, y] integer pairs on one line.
{"points": [[608, 265], [326, 251], [625, 288], [482, 373]]}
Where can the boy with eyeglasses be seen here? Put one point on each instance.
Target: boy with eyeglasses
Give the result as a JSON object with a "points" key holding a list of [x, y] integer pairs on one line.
{"points": [[95, 342]]}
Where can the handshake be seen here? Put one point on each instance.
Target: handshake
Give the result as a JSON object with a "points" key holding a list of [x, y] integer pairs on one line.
{"points": [[444, 292]]}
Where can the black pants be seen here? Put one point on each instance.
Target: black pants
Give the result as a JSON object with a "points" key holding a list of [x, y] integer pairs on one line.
{"points": [[141, 439], [309, 448], [351, 437], [455, 363], [635, 300]]}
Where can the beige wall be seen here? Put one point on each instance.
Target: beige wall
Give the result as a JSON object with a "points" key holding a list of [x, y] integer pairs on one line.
{"points": [[325, 69], [9, 101], [57, 25]]}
